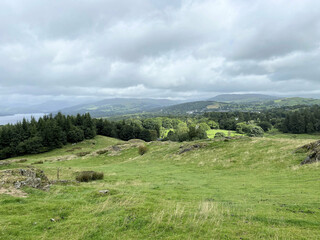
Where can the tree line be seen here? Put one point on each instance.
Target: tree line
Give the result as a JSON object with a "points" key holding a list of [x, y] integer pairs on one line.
{"points": [[295, 119], [49, 132]]}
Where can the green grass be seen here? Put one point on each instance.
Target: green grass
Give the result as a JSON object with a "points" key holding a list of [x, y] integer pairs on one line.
{"points": [[212, 132], [248, 188]]}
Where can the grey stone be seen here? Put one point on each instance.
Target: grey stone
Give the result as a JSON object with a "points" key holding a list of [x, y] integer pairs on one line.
{"points": [[104, 191]]}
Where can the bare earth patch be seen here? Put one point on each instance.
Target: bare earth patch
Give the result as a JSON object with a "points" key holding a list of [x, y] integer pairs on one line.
{"points": [[13, 192]]}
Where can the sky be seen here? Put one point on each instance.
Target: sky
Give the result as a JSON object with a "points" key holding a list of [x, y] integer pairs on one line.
{"points": [[81, 50]]}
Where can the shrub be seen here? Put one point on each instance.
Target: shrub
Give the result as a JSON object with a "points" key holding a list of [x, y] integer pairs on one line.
{"points": [[256, 131], [87, 176], [266, 126], [172, 136], [219, 135], [204, 126], [213, 125], [142, 149], [250, 129]]}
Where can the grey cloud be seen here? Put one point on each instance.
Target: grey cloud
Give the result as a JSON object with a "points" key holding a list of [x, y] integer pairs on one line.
{"points": [[158, 48]]}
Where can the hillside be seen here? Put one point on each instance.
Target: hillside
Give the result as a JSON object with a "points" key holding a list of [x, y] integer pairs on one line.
{"points": [[296, 101], [46, 107], [248, 188], [242, 98], [238, 105], [192, 107], [118, 106]]}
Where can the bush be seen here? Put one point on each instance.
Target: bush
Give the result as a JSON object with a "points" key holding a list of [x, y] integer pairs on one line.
{"points": [[87, 176], [213, 125], [250, 129], [266, 126], [142, 149], [219, 135], [256, 131], [196, 133]]}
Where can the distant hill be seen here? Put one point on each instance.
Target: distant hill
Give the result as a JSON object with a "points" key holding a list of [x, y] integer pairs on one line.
{"points": [[46, 107], [119, 106], [126, 106], [245, 106], [296, 101], [242, 98], [193, 107]]}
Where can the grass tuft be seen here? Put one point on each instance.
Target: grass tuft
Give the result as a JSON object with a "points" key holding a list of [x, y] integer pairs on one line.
{"points": [[142, 149], [87, 176]]}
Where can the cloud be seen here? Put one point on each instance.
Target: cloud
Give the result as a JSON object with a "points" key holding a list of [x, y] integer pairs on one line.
{"points": [[161, 48]]}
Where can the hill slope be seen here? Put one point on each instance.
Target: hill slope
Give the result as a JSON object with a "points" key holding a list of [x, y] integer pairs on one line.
{"points": [[242, 98], [192, 107], [296, 101], [118, 106], [245, 188], [207, 106]]}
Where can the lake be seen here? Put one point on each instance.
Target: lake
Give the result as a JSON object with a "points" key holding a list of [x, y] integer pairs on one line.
{"points": [[19, 117]]}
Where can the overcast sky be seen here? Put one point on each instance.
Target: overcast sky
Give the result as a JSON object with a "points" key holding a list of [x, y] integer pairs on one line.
{"points": [[90, 49]]}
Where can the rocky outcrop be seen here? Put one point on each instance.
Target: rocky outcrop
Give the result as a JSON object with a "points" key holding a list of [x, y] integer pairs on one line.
{"points": [[19, 178], [313, 150], [188, 148]]}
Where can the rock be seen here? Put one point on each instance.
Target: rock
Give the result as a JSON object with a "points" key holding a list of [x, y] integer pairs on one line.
{"points": [[82, 154], [19, 178], [116, 148], [102, 151], [104, 191], [22, 160], [185, 150], [2, 163], [191, 147], [313, 149]]}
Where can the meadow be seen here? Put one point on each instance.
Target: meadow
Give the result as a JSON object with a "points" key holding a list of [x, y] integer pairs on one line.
{"points": [[246, 188], [212, 132]]}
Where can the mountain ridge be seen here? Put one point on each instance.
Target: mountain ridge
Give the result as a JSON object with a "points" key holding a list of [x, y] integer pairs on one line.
{"points": [[242, 98]]}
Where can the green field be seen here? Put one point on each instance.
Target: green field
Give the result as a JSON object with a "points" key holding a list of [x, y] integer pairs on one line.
{"points": [[247, 188], [212, 132]]}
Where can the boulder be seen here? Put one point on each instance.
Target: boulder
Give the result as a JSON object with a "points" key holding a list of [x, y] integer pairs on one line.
{"points": [[34, 178], [313, 150], [191, 147], [104, 191]]}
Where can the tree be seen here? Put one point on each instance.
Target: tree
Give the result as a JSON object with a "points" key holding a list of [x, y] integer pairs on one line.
{"points": [[266, 126], [213, 125], [75, 135]]}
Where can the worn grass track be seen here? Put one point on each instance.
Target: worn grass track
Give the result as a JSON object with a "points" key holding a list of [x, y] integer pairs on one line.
{"points": [[250, 188]]}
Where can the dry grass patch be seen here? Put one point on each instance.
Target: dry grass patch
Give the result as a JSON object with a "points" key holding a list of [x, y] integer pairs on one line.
{"points": [[13, 192]]}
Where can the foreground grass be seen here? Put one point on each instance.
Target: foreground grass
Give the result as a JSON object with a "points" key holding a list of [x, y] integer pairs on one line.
{"points": [[240, 189]]}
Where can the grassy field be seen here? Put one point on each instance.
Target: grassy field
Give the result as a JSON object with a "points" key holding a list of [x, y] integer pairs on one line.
{"points": [[248, 188], [212, 132]]}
